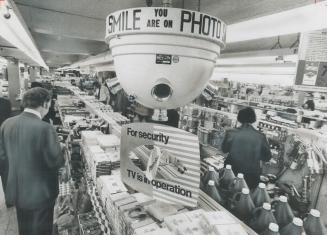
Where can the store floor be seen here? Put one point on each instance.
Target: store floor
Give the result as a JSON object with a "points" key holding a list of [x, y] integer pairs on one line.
{"points": [[8, 220]]}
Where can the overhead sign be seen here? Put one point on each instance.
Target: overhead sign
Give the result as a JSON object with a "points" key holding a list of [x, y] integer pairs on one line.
{"points": [[167, 21], [312, 64], [162, 162]]}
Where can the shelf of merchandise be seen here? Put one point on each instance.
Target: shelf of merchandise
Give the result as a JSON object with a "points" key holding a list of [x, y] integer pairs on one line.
{"points": [[204, 199], [263, 106], [114, 126], [92, 191], [210, 110]]}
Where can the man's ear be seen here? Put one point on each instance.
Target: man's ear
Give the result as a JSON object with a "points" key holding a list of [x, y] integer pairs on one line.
{"points": [[45, 105]]}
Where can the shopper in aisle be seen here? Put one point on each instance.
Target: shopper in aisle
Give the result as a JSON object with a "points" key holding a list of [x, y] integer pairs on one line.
{"points": [[104, 95], [50, 117], [309, 103], [5, 109], [173, 118], [246, 148], [5, 112], [34, 155]]}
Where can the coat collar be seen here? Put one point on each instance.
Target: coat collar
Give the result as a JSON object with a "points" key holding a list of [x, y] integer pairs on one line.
{"points": [[31, 112]]}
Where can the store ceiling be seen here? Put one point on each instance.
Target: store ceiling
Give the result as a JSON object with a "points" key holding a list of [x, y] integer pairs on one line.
{"points": [[66, 31], [8, 51]]}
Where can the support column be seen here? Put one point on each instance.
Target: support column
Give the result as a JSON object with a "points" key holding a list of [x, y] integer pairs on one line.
{"points": [[4, 73], [32, 74], [301, 98], [13, 84], [25, 79], [100, 77]]}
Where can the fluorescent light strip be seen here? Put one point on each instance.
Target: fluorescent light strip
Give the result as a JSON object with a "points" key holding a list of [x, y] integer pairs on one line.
{"points": [[256, 78], [255, 60], [302, 19], [102, 59], [14, 32], [257, 70]]}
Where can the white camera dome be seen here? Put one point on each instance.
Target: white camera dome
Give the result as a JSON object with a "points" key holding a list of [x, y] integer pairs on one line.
{"points": [[164, 56]]}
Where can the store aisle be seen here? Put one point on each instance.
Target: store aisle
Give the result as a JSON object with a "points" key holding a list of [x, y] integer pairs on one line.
{"points": [[8, 220]]}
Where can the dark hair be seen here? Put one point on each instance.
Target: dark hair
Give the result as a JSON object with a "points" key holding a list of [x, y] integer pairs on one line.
{"points": [[35, 97], [246, 115], [36, 84]]}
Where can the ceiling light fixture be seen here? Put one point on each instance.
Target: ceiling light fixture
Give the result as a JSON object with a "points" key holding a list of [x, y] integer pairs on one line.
{"points": [[15, 31], [7, 14], [307, 18]]}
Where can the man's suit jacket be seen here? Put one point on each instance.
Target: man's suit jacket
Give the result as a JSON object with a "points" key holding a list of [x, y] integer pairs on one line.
{"points": [[5, 109], [246, 147], [34, 155]]}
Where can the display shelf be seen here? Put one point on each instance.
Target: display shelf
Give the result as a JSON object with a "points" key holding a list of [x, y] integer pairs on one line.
{"points": [[306, 113], [100, 213], [211, 110], [115, 128], [256, 102], [204, 201]]}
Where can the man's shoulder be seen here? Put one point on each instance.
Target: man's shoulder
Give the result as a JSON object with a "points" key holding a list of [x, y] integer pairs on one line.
{"points": [[10, 120], [260, 134], [44, 125], [232, 131]]}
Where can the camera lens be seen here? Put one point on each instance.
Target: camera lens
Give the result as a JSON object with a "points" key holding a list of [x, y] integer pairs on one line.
{"points": [[161, 92]]}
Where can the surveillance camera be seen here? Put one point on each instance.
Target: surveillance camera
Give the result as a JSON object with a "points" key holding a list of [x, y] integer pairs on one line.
{"points": [[164, 65], [7, 15]]}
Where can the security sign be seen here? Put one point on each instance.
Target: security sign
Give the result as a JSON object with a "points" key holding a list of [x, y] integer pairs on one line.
{"points": [[162, 162], [171, 21]]}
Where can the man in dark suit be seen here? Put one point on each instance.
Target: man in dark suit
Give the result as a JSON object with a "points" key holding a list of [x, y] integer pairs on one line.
{"points": [[246, 148], [34, 154], [5, 109], [5, 112]]}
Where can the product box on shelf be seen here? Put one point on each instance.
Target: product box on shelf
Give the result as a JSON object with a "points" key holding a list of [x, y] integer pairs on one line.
{"points": [[90, 137], [90, 152], [235, 229], [108, 142], [223, 223], [161, 210], [100, 165], [175, 222], [218, 217], [189, 223], [119, 207], [153, 227], [110, 201], [134, 217], [143, 199], [159, 231], [113, 184]]}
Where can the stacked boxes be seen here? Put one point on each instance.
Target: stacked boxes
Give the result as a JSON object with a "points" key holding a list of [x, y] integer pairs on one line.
{"points": [[100, 165], [109, 185], [199, 222], [108, 142], [101, 152], [90, 137], [223, 223], [134, 217]]}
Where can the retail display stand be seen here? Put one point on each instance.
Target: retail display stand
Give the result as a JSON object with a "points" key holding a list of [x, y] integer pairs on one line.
{"points": [[110, 224]]}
